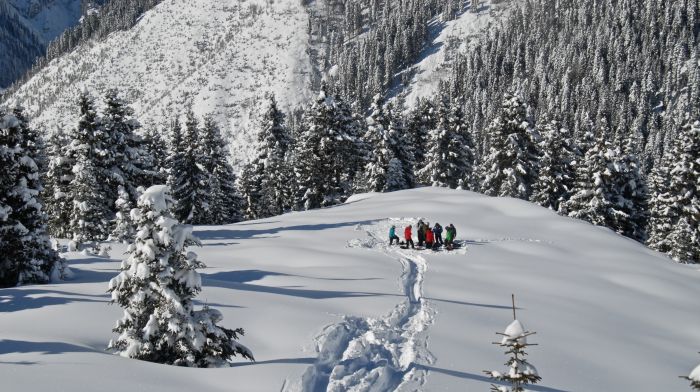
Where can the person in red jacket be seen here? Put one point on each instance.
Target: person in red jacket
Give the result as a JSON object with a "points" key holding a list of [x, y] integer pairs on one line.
{"points": [[429, 238], [407, 235]]}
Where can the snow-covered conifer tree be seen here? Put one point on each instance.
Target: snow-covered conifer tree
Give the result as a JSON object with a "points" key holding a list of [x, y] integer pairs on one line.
{"points": [[510, 167], [684, 207], [190, 181], [520, 372], [556, 172], [123, 225], [224, 201], [594, 192], [57, 194], [324, 152], [384, 172], [660, 221], [130, 162], [27, 255], [266, 185], [156, 288], [694, 378], [90, 187], [449, 161]]}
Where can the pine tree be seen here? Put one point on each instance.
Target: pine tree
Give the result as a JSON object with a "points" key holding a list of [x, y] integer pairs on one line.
{"points": [[124, 229], [24, 243], [421, 121], [190, 181], [450, 158], [694, 378], [90, 187], [660, 221], [157, 287], [556, 173], [631, 195], [224, 201]]}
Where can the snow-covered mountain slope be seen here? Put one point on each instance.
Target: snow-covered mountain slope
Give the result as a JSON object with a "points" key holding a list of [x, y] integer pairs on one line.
{"points": [[609, 313], [26, 27], [449, 39], [221, 57]]}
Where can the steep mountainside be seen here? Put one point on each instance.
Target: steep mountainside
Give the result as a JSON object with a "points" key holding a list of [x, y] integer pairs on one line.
{"points": [[219, 57], [26, 27]]}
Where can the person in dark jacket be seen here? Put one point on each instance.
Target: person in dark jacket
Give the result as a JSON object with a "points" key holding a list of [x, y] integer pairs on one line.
{"points": [[437, 232], [407, 237], [420, 228], [393, 236]]}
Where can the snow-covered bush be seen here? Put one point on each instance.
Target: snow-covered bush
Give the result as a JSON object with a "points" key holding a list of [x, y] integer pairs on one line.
{"points": [[156, 288], [520, 372]]}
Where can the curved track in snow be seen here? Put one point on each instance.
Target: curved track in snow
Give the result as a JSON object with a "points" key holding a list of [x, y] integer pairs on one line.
{"points": [[365, 354]]}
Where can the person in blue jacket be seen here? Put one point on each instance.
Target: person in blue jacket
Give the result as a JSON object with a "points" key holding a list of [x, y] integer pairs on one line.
{"points": [[393, 236], [437, 233]]}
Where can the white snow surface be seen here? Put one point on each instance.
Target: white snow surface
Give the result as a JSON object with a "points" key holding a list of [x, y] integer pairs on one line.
{"points": [[328, 305], [218, 56]]}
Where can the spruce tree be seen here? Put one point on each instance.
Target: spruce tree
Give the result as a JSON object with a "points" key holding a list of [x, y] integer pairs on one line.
{"points": [[90, 187], [420, 121], [224, 201], [156, 288], [327, 147], [384, 172], [450, 158], [57, 194], [266, 183], [124, 229], [594, 192], [520, 372], [660, 221], [27, 255], [190, 180], [684, 207], [556, 172], [510, 167], [129, 162]]}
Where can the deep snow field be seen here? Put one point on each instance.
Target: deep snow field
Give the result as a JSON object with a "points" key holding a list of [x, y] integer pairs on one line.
{"points": [[610, 315]]}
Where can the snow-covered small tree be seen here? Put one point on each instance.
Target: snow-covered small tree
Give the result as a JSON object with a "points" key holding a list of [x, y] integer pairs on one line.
{"points": [[694, 378], [510, 167], [384, 171], [124, 229], [520, 372], [156, 288]]}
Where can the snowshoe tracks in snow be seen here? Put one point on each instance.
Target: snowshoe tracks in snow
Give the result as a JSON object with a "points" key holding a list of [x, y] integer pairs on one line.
{"points": [[366, 354]]}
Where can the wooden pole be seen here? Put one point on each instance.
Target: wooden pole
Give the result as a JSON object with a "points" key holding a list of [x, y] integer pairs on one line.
{"points": [[512, 297]]}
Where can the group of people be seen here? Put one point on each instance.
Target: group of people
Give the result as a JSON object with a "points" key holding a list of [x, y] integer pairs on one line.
{"points": [[431, 238]]}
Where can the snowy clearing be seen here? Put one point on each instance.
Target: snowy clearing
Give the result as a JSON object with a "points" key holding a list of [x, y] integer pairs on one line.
{"points": [[609, 313]]}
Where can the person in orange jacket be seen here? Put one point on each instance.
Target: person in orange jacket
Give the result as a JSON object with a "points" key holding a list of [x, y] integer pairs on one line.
{"points": [[407, 235]]}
